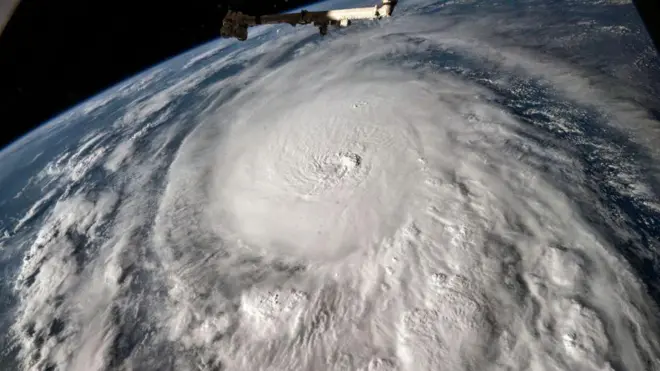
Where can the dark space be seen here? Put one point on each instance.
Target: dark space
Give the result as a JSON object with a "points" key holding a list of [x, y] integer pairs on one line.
{"points": [[56, 54]]}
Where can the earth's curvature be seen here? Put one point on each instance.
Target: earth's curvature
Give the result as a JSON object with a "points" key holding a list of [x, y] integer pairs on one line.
{"points": [[468, 185]]}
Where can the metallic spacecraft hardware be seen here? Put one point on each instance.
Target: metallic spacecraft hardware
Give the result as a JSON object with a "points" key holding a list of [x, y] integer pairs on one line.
{"points": [[235, 24]]}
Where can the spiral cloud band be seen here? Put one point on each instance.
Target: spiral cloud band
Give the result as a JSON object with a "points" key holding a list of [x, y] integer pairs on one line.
{"points": [[399, 196]]}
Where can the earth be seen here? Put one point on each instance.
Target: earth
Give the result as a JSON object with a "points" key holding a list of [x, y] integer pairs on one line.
{"points": [[467, 185]]}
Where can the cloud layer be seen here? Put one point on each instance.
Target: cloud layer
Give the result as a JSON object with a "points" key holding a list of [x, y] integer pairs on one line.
{"points": [[419, 193]]}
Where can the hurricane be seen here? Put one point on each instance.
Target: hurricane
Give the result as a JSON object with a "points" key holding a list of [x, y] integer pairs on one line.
{"points": [[429, 192]]}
